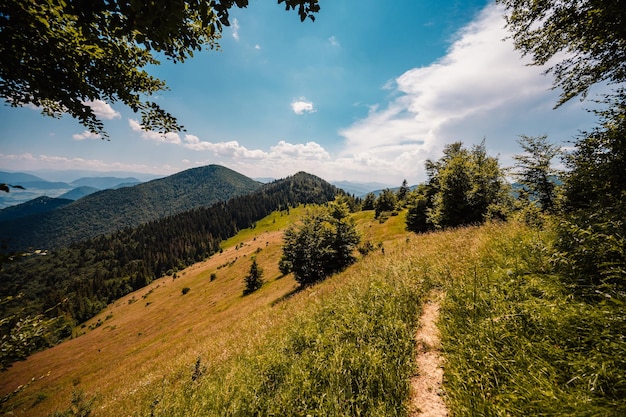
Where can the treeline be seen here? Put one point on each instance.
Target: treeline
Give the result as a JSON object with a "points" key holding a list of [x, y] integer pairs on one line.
{"points": [[77, 282]]}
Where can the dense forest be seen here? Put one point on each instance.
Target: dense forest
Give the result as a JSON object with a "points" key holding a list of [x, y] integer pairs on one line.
{"points": [[72, 284]]}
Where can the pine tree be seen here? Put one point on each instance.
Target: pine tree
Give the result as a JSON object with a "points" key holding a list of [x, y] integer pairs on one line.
{"points": [[254, 279]]}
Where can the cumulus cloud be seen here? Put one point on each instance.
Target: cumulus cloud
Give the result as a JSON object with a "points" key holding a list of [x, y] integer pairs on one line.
{"points": [[231, 149], [86, 135], [102, 109], [333, 41], [309, 150], [481, 88], [170, 137], [302, 105], [27, 161], [280, 152]]}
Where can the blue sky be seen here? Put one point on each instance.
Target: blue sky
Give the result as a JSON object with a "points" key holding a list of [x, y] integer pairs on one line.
{"points": [[364, 93]]}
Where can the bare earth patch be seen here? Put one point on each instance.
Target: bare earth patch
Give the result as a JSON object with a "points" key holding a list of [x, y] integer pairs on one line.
{"points": [[426, 385]]}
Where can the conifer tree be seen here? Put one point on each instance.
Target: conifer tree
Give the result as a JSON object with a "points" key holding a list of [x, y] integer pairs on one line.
{"points": [[254, 279]]}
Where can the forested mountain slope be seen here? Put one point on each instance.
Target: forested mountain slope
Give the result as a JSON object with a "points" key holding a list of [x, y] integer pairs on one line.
{"points": [[34, 207], [112, 210]]}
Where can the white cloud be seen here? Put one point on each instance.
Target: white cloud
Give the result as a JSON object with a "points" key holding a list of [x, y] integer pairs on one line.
{"points": [[86, 135], [310, 151], [257, 47], [480, 89], [235, 27], [170, 137], [230, 149], [27, 161], [301, 106], [102, 109], [280, 152], [333, 41]]}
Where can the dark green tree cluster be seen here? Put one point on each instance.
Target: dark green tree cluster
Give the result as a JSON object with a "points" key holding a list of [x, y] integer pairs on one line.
{"points": [[588, 40], [322, 245], [387, 202], [79, 281], [61, 55], [369, 202], [465, 186]]}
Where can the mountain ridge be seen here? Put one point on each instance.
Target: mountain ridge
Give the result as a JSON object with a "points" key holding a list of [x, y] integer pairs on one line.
{"points": [[109, 210]]}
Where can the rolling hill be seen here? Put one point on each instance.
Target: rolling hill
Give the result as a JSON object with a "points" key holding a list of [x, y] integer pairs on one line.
{"points": [[111, 210], [35, 207], [79, 192]]}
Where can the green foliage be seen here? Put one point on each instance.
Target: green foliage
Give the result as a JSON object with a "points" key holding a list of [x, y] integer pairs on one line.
{"points": [[23, 335], [369, 202], [587, 37], [417, 213], [322, 245], [517, 343], [254, 279], [464, 187], [403, 192], [387, 201], [592, 233], [534, 169], [62, 55]]}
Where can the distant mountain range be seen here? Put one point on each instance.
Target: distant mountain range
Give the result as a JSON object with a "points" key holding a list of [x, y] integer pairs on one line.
{"points": [[47, 223], [35, 187], [360, 189], [52, 213]]}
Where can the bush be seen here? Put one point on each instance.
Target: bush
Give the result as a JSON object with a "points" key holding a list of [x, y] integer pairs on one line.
{"points": [[185, 290]]}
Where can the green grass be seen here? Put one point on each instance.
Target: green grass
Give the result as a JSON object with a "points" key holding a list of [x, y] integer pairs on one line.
{"points": [[517, 343], [347, 349]]}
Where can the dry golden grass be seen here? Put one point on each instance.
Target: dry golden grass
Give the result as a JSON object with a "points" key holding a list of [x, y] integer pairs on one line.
{"points": [[150, 339]]}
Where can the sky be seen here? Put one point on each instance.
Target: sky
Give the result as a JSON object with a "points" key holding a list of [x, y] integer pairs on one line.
{"points": [[365, 93]]}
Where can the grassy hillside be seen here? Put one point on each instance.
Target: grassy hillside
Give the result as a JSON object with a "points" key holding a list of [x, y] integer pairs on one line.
{"points": [[515, 342]]}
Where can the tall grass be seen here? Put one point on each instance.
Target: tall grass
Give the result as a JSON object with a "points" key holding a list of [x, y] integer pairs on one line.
{"points": [[517, 343], [350, 352]]}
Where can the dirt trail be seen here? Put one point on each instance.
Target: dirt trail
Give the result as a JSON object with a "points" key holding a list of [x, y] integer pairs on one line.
{"points": [[426, 385]]}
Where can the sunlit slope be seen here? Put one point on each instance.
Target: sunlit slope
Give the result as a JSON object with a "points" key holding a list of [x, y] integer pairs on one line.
{"points": [[157, 333]]}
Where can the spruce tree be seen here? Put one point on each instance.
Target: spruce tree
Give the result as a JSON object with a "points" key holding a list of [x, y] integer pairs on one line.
{"points": [[254, 279]]}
